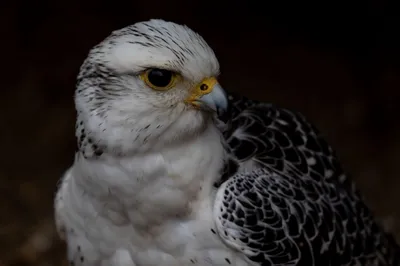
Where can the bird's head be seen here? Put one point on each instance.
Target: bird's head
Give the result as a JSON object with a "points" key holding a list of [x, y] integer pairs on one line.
{"points": [[147, 85]]}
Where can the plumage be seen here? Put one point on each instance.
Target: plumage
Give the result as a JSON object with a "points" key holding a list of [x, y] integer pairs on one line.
{"points": [[294, 205], [160, 179]]}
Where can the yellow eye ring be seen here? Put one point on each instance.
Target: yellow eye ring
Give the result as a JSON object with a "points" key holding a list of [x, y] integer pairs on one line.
{"points": [[159, 79]]}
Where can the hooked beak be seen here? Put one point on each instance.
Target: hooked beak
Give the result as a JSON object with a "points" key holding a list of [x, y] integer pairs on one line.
{"points": [[210, 96]]}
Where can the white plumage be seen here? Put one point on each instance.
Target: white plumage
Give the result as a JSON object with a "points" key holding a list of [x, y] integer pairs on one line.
{"points": [[158, 181], [149, 194]]}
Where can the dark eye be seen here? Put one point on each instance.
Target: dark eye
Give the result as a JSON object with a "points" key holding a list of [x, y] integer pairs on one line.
{"points": [[159, 79]]}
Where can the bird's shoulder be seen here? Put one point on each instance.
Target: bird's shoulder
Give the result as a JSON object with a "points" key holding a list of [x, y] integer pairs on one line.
{"points": [[284, 197], [264, 135]]}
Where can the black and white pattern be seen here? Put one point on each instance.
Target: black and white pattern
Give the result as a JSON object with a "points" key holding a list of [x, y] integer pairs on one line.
{"points": [[287, 201]]}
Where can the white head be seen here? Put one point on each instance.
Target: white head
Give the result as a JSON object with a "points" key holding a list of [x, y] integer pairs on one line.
{"points": [[145, 86]]}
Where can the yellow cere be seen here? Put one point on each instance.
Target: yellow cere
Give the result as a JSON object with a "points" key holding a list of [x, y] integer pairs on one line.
{"points": [[203, 88]]}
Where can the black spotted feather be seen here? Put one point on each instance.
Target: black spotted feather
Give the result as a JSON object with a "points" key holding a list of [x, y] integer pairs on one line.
{"points": [[284, 198]]}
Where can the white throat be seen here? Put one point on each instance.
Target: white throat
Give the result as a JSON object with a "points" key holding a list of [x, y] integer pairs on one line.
{"points": [[169, 183]]}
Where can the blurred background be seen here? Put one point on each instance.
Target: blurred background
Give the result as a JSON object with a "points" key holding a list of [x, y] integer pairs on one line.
{"points": [[335, 63]]}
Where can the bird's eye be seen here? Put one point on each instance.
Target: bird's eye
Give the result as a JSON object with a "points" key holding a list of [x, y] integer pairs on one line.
{"points": [[159, 79]]}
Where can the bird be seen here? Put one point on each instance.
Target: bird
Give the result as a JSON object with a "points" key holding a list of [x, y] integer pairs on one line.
{"points": [[171, 169]]}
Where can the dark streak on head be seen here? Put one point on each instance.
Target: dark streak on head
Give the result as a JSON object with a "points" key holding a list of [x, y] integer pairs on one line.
{"points": [[98, 82]]}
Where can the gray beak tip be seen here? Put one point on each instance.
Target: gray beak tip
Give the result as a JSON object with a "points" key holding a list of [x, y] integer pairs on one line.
{"points": [[216, 100]]}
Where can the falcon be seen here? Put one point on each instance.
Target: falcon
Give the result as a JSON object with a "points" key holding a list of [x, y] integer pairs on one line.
{"points": [[172, 170]]}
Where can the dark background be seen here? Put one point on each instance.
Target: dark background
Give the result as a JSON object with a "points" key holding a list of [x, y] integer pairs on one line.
{"points": [[334, 62]]}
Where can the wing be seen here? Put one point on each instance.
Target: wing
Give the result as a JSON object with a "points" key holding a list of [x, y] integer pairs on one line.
{"points": [[59, 204], [284, 198], [80, 251]]}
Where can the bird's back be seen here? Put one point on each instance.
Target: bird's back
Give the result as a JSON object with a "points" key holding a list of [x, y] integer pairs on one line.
{"points": [[320, 217]]}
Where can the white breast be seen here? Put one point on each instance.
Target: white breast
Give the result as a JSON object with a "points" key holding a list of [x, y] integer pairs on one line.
{"points": [[157, 207]]}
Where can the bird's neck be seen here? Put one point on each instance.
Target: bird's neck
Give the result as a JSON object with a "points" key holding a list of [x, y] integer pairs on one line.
{"points": [[169, 182]]}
